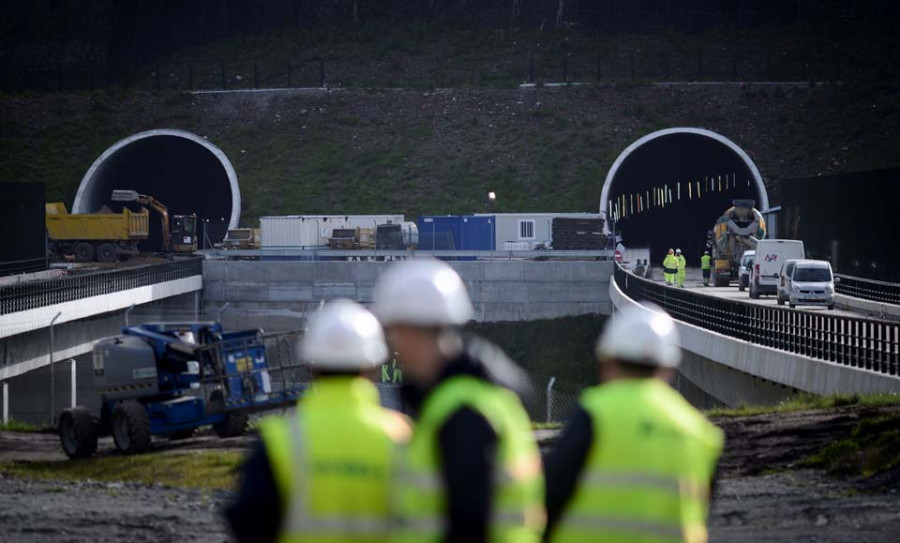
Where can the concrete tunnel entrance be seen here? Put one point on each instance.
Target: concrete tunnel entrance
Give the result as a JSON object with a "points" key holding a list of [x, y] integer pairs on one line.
{"points": [[673, 158], [180, 169]]}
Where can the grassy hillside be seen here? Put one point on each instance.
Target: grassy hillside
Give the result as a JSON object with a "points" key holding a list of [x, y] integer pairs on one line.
{"points": [[360, 151], [384, 140]]}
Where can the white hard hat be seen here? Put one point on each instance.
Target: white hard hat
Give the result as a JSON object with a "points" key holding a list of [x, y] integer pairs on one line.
{"points": [[641, 335], [424, 293], [678, 251], [344, 336]]}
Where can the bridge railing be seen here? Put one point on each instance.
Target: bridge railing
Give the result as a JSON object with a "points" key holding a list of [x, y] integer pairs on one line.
{"points": [[24, 296], [868, 289], [857, 342]]}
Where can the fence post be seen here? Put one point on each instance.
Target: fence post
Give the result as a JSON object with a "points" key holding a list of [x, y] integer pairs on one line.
{"points": [[74, 369], [550, 399], [220, 311], [127, 313], [255, 74], [5, 403], [530, 67]]}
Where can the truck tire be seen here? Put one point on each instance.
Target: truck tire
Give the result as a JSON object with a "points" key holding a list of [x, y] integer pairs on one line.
{"points": [[84, 252], [131, 427], [78, 432], [107, 252], [234, 425]]}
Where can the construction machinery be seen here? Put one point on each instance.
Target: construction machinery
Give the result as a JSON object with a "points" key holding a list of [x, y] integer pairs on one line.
{"points": [[178, 235], [109, 236], [241, 239], [171, 378], [95, 236], [737, 230]]}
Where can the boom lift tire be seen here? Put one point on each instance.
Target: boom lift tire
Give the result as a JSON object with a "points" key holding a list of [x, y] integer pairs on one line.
{"points": [[84, 252], [234, 425], [107, 252], [131, 427], [78, 432]]}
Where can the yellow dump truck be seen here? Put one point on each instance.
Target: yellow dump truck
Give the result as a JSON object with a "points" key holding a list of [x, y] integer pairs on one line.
{"points": [[95, 236]]}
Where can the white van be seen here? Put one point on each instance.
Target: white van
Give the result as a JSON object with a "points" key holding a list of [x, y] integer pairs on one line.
{"points": [[808, 282], [770, 256]]}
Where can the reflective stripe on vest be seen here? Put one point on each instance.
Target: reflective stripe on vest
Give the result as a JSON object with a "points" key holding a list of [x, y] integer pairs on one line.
{"points": [[648, 472], [299, 520], [339, 443], [517, 512]]}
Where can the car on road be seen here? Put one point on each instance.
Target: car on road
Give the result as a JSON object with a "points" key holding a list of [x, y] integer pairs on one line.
{"points": [[784, 283], [807, 282], [744, 270], [770, 256]]}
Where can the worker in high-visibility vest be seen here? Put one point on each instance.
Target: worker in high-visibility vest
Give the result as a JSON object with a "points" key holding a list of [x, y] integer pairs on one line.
{"points": [[323, 472], [636, 461], [681, 273], [705, 267], [670, 267], [472, 471]]}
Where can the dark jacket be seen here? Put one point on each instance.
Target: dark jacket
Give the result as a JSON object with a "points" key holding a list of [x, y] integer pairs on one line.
{"points": [[467, 443], [563, 466]]}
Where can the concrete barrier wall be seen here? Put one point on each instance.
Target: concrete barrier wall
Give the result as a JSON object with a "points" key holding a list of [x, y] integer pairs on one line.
{"points": [[875, 309], [277, 295], [755, 361]]}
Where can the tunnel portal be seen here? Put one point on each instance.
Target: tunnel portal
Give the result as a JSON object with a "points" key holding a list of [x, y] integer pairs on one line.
{"points": [[671, 160], [180, 169]]}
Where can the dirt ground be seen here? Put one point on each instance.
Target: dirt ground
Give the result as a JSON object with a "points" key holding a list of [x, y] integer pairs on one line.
{"points": [[762, 494]]}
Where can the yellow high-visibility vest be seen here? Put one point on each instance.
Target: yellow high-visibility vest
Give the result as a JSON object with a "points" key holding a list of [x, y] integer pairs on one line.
{"points": [[518, 513], [332, 461], [647, 476]]}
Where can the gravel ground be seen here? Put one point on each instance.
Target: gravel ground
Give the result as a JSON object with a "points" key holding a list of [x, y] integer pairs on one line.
{"points": [[90, 511], [762, 494]]}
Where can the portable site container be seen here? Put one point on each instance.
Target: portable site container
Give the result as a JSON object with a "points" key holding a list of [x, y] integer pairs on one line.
{"points": [[528, 231], [301, 231], [456, 232]]}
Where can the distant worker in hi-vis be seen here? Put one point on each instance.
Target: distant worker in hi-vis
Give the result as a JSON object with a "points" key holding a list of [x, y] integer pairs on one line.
{"points": [[681, 268], [636, 461], [472, 472], [670, 267], [323, 472], [705, 267]]}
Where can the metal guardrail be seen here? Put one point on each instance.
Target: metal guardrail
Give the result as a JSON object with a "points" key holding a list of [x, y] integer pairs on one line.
{"points": [[21, 297], [868, 289], [851, 341], [368, 254]]}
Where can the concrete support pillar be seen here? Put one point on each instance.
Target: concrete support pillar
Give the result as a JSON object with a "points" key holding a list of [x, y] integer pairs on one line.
{"points": [[5, 403]]}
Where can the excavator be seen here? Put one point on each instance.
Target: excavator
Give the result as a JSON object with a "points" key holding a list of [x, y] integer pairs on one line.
{"points": [[179, 235]]}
